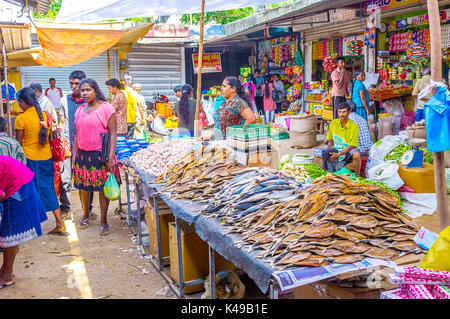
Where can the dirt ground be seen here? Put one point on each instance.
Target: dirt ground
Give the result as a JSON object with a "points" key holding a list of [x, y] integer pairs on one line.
{"points": [[84, 264]]}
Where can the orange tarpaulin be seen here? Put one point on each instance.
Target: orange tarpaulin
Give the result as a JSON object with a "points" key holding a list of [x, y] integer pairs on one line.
{"points": [[65, 47], [69, 46]]}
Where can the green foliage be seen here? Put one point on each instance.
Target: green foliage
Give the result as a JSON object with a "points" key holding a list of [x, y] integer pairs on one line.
{"points": [[218, 17], [53, 10]]}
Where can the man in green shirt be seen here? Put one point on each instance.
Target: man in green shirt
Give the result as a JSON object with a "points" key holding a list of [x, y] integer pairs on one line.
{"points": [[342, 139]]}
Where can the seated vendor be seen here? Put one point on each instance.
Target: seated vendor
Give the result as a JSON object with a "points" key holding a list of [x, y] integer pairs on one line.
{"points": [[342, 141], [365, 140]]}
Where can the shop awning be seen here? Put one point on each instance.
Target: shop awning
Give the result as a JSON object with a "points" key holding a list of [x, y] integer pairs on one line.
{"points": [[65, 46]]}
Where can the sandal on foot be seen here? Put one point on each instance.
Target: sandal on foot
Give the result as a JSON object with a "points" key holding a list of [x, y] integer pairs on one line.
{"points": [[58, 233], [5, 285], [92, 216], [84, 223], [104, 230]]}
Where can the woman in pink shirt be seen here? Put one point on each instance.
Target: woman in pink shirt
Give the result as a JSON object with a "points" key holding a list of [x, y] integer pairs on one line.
{"points": [[21, 210], [92, 119]]}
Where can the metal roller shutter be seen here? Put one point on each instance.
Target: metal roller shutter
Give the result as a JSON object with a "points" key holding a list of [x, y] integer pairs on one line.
{"points": [[157, 68], [96, 68]]}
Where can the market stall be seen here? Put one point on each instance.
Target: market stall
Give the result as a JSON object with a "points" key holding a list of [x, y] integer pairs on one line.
{"points": [[275, 225]]}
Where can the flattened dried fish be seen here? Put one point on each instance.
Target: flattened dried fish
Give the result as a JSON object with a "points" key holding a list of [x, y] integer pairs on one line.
{"points": [[327, 252], [364, 221], [350, 247], [348, 259], [350, 235], [294, 257], [404, 245], [314, 261], [320, 230], [381, 253]]}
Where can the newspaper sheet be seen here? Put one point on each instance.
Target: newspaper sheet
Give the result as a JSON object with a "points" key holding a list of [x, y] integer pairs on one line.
{"points": [[288, 279]]}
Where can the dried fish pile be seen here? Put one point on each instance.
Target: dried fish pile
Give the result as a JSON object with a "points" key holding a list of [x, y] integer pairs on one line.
{"points": [[214, 175], [335, 220]]}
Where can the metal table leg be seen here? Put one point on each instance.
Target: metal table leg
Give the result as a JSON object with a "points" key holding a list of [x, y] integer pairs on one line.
{"points": [[212, 273], [138, 212], [130, 220], [180, 257], [273, 288], [158, 232]]}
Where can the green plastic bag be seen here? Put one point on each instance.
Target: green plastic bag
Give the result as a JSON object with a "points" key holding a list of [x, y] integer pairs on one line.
{"points": [[345, 171], [111, 188]]}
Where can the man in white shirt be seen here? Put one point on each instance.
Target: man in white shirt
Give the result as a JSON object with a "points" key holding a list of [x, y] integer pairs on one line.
{"points": [[53, 93], [44, 102]]}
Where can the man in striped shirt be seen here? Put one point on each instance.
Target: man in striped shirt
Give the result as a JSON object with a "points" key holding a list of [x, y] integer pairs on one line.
{"points": [[9, 146], [365, 140]]}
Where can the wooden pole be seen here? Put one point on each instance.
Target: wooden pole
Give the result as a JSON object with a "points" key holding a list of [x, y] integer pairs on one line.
{"points": [[5, 70], [109, 70], [436, 75], [199, 73]]}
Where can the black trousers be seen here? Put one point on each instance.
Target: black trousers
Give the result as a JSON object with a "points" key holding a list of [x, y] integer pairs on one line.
{"points": [[130, 129], [259, 101], [336, 101]]}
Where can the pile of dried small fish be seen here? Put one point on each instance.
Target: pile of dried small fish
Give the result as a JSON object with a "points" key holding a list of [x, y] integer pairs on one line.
{"points": [[334, 220]]}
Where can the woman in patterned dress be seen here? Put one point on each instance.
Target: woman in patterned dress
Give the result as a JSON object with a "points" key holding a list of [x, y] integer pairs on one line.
{"points": [[90, 173], [235, 110], [119, 103]]}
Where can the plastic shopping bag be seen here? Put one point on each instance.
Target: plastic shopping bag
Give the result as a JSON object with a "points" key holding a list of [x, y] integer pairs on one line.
{"points": [[387, 173], [111, 188], [437, 121], [158, 126], [438, 257], [381, 148]]}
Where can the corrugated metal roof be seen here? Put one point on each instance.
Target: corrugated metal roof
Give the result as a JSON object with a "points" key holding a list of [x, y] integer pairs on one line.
{"points": [[40, 5]]}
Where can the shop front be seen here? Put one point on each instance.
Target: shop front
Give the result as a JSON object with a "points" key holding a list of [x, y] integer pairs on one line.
{"points": [[283, 56]]}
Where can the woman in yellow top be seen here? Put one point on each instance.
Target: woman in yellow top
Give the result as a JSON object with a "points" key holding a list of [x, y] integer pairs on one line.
{"points": [[32, 134]]}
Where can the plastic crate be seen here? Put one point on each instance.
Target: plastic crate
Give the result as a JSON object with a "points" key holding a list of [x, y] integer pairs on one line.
{"points": [[249, 131], [280, 136]]}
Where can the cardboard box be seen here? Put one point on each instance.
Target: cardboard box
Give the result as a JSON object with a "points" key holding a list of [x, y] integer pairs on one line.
{"points": [[257, 159], [195, 254], [328, 290], [165, 217]]}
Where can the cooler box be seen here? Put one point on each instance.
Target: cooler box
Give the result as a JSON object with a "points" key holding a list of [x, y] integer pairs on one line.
{"points": [[420, 179]]}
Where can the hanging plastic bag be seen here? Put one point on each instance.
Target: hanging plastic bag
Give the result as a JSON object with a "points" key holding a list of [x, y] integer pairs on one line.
{"points": [[437, 121], [381, 148], [111, 188], [158, 126], [438, 257], [387, 173]]}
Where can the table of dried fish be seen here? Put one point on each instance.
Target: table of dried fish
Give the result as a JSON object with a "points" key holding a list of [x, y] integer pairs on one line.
{"points": [[334, 220]]}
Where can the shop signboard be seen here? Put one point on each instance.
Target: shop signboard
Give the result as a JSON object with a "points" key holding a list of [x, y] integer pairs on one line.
{"points": [[374, 5], [211, 62]]}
